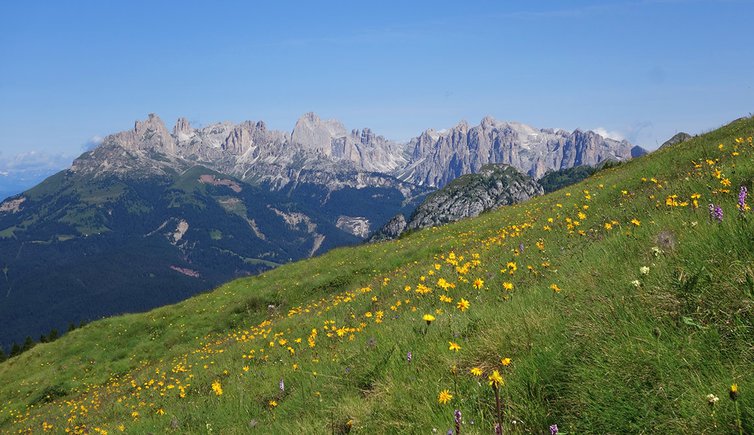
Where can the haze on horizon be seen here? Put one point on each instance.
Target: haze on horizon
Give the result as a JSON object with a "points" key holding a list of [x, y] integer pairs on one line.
{"points": [[635, 69]]}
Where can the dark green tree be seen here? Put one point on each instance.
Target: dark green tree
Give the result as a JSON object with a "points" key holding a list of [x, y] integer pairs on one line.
{"points": [[28, 344], [3, 356], [53, 335], [71, 327], [15, 349]]}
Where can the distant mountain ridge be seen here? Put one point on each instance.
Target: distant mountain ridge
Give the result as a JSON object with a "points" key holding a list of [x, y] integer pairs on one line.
{"points": [[253, 153]]}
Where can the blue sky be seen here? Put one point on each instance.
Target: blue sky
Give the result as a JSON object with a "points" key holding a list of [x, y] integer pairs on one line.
{"points": [[640, 69]]}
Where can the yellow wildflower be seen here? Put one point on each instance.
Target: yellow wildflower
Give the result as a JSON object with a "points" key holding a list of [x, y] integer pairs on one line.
{"points": [[463, 305], [496, 381], [444, 397], [217, 388]]}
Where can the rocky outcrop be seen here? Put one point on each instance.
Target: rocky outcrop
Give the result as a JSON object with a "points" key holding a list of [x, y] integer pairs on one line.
{"points": [[391, 230], [356, 225], [182, 128], [238, 141], [677, 138], [466, 196], [148, 134]]}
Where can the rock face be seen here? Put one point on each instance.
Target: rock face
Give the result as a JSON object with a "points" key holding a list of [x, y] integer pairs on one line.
{"points": [[356, 225], [466, 196], [394, 228], [437, 158], [677, 138], [148, 134], [182, 128]]}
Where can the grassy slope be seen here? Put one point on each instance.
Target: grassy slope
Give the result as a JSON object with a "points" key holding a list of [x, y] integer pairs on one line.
{"points": [[600, 356]]}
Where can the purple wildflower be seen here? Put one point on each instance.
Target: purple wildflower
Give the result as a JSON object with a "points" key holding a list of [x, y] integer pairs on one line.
{"points": [[521, 247], [718, 213], [409, 356], [498, 429], [554, 429], [457, 415], [742, 198], [715, 212]]}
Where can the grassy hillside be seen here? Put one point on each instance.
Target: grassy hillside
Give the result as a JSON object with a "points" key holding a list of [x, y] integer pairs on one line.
{"points": [[616, 305]]}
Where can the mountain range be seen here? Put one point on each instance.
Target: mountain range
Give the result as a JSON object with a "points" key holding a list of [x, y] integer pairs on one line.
{"points": [[152, 216]]}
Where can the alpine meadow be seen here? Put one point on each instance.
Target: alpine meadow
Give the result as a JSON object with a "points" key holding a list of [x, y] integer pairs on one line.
{"points": [[620, 304]]}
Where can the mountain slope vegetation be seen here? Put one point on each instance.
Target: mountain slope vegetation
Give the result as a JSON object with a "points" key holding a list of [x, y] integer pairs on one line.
{"points": [[621, 304]]}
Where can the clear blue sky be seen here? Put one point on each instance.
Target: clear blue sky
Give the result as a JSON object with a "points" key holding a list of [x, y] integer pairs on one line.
{"points": [[644, 70]]}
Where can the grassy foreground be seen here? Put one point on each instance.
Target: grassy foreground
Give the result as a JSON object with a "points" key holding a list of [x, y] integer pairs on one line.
{"points": [[617, 305]]}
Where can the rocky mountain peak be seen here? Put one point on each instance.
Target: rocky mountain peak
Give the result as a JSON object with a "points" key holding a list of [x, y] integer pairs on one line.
{"points": [[153, 123], [462, 126], [487, 122], [147, 134], [677, 138], [182, 127], [239, 140], [316, 134], [366, 136]]}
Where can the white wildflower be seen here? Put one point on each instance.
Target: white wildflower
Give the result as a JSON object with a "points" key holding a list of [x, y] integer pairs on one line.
{"points": [[712, 399]]}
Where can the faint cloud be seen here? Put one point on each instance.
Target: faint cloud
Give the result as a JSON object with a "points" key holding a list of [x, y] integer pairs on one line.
{"points": [[32, 164], [638, 131], [92, 143], [610, 134], [25, 170]]}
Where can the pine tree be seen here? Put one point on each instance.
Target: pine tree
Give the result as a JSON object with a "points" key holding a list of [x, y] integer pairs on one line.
{"points": [[3, 356], [15, 349], [43, 338], [71, 327], [28, 344], [53, 335]]}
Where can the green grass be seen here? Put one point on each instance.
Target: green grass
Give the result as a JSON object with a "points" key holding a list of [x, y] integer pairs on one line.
{"points": [[602, 355]]}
